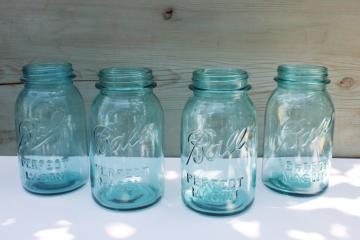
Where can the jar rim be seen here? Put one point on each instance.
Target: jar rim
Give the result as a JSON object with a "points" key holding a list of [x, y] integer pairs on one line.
{"points": [[125, 78], [125, 72], [220, 79], [47, 72], [302, 73]]}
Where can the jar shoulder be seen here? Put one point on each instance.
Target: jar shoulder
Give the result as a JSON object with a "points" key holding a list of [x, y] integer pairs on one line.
{"points": [[56, 92], [125, 107], [207, 106], [222, 117], [39, 100], [125, 102], [297, 99]]}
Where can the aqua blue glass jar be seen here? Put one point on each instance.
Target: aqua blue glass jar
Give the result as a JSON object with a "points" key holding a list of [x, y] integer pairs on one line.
{"points": [[299, 124], [126, 143], [219, 143], [51, 130]]}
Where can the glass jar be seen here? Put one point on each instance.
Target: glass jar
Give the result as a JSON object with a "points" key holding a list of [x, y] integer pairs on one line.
{"points": [[51, 130], [219, 143], [299, 126], [126, 144]]}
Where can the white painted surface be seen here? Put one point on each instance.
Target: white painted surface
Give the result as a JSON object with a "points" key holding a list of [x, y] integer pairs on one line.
{"points": [[332, 215]]}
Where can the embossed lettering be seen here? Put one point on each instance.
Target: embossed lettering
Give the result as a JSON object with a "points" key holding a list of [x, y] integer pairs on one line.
{"points": [[38, 133], [109, 141], [111, 176], [308, 172], [217, 191], [203, 145], [294, 135]]}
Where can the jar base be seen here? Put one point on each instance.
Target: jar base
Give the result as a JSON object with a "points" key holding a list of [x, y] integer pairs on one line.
{"points": [[242, 204], [122, 197], [72, 182], [278, 186]]}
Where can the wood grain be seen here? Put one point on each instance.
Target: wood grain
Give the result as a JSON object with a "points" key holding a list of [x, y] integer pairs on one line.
{"points": [[175, 37]]}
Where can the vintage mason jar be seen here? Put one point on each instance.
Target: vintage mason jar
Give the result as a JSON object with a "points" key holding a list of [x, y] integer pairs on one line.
{"points": [[126, 143], [219, 143], [51, 130], [299, 125]]}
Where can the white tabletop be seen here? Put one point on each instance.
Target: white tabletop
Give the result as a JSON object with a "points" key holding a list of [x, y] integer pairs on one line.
{"points": [[333, 215]]}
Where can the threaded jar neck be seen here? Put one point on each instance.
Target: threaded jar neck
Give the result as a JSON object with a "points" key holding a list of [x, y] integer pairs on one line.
{"points": [[302, 74], [47, 73], [220, 79], [120, 79]]}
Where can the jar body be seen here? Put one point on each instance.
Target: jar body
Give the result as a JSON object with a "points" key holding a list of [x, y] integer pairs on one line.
{"points": [[126, 153], [218, 152], [51, 138], [299, 125]]}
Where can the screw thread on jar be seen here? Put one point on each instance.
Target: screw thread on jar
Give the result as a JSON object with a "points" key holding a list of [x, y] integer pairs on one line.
{"points": [[47, 73], [220, 79], [115, 78], [302, 73]]}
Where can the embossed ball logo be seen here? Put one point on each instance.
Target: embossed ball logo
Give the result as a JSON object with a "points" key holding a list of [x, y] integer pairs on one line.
{"points": [[204, 146], [111, 140]]}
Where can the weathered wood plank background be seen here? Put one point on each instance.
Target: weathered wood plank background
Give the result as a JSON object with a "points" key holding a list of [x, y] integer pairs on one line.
{"points": [[174, 37]]}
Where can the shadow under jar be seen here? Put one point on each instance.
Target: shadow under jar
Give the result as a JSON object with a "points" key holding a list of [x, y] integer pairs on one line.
{"points": [[299, 125], [126, 143], [219, 143], [51, 130]]}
